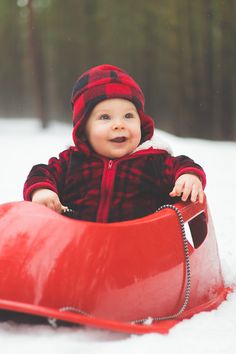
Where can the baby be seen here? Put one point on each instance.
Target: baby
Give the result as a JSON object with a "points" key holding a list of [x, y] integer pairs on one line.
{"points": [[113, 173]]}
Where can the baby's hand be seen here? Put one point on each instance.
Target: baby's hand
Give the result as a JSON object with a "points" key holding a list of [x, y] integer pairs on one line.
{"points": [[188, 185], [48, 198]]}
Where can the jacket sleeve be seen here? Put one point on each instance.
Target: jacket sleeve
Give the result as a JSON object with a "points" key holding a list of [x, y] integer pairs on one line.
{"points": [[50, 176], [179, 165]]}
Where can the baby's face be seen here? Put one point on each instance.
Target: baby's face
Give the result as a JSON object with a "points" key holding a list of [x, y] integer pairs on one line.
{"points": [[113, 128]]}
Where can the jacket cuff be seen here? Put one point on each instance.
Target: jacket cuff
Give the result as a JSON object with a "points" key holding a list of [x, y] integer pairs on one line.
{"points": [[195, 171], [29, 190]]}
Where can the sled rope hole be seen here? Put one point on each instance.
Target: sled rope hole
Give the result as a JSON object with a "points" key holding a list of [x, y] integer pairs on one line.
{"points": [[149, 320]]}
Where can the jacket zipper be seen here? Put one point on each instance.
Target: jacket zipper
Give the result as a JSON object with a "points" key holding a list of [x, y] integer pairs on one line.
{"points": [[107, 185], [106, 191]]}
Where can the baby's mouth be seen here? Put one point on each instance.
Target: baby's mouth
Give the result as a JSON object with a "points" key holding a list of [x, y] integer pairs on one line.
{"points": [[119, 139]]}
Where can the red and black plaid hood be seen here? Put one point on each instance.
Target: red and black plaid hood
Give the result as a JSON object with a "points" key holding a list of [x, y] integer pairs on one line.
{"points": [[101, 83]]}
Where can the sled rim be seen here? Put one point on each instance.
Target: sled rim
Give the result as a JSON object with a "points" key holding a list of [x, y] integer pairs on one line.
{"points": [[161, 327]]}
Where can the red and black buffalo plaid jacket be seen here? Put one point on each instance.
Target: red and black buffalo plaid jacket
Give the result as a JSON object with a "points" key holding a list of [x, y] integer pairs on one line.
{"points": [[111, 190], [105, 190]]}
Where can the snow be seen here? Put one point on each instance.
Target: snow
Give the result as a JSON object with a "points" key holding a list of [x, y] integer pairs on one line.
{"points": [[22, 144]]}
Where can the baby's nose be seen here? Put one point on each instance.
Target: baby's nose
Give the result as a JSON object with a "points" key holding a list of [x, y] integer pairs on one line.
{"points": [[118, 123]]}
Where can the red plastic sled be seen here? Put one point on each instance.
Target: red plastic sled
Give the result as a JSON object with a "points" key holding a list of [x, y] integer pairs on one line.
{"points": [[134, 276]]}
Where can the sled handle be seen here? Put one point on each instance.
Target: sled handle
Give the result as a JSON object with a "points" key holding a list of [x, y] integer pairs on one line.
{"points": [[190, 210]]}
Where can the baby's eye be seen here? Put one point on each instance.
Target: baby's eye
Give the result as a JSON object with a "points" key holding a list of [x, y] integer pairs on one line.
{"points": [[129, 115], [104, 117]]}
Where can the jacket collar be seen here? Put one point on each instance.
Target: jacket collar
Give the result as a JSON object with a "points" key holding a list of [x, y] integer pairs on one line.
{"points": [[156, 144]]}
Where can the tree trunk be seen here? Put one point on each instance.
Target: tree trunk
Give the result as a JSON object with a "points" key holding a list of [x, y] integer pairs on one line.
{"points": [[227, 70], [36, 60]]}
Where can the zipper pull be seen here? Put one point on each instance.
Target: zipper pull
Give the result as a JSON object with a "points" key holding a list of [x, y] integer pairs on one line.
{"points": [[110, 164]]}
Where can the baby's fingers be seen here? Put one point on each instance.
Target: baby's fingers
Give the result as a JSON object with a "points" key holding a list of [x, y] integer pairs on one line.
{"points": [[197, 193], [54, 205], [188, 186], [200, 196], [177, 190], [186, 192], [64, 208], [194, 193]]}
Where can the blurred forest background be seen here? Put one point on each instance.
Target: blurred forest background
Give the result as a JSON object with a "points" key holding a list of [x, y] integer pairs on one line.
{"points": [[181, 52]]}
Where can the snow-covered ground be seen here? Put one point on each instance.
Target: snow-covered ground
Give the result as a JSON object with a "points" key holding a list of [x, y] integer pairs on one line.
{"points": [[22, 144]]}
